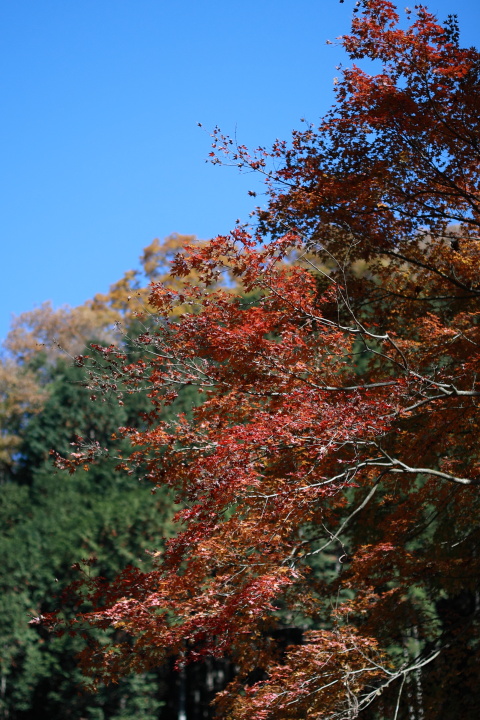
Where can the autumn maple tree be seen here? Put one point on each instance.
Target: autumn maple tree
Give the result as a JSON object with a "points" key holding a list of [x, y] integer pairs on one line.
{"points": [[328, 482]]}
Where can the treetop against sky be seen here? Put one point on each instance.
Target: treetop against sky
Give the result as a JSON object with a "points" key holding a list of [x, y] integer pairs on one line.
{"points": [[100, 146], [328, 482]]}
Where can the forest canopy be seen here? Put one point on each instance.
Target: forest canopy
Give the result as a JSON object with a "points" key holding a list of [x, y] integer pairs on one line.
{"points": [[50, 522]]}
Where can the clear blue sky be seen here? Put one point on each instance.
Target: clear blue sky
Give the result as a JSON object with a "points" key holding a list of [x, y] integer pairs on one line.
{"points": [[100, 99]]}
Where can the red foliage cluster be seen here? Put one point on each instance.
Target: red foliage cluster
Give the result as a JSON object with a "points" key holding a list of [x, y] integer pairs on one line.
{"points": [[329, 480]]}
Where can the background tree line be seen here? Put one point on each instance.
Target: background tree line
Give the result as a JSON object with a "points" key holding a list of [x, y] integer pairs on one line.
{"points": [[50, 520]]}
